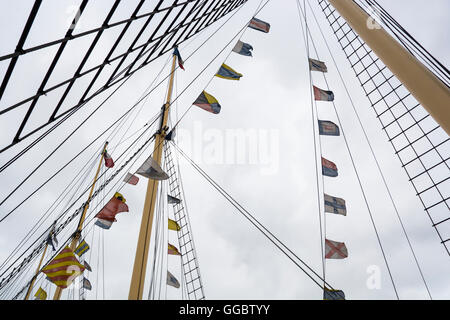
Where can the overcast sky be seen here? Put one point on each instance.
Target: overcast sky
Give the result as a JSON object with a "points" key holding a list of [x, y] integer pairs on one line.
{"points": [[277, 183]]}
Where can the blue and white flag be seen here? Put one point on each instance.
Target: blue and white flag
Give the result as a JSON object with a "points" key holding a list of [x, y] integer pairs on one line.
{"points": [[335, 205], [328, 128], [243, 48], [104, 224], [316, 65]]}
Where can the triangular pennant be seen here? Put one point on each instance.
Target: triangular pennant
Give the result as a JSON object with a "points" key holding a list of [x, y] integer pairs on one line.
{"points": [[40, 294], [173, 250], [172, 281], [172, 200], [227, 72], [151, 169], [173, 225]]}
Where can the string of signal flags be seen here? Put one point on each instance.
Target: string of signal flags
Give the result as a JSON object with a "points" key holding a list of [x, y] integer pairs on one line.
{"points": [[59, 270], [332, 204]]}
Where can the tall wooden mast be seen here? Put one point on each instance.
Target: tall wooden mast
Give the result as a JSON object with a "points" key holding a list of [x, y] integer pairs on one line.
{"points": [[77, 234], [431, 92], [140, 261], [37, 272]]}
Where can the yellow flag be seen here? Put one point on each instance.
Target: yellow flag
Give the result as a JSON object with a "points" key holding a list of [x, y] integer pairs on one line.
{"points": [[173, 250], [63, 268], [173, 225], [41, 294]]}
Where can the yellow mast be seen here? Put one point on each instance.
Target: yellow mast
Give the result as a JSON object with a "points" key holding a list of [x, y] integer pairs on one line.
{"points": [[140, 261], [37, 272], [77, 235], [431, 92]]}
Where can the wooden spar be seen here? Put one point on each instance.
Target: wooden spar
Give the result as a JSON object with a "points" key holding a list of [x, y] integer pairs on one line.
{"points": [[431, 92], [36, 274], [77, 235], [141, 258]]}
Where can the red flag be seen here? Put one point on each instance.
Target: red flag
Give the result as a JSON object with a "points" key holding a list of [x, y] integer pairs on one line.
{"points": [[113, 207], [109, 163], [131, 179]]}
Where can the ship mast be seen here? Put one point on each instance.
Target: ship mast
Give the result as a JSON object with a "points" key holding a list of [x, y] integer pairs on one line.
{"points": [[37, 272], [140, 261], [431, 92], [77, 234]]}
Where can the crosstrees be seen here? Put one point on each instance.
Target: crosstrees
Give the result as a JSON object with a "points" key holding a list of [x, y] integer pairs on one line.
{"points": [[418, 141], [153, 48]]}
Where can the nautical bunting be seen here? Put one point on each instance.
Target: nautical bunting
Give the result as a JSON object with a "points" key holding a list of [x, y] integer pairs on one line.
{"points": [[131, 179], [82, 248], [151, 169], [243, 48], [173, 250], [227, 72], [109, 163], [64, 268], [259, 25], [180, 61], [87, 266], [207, 102], [87, 284], [173, 225], [323, 95], [173, 200], [329, 169], [329, 294], [335, 205], [335, 250], [328, 128], [40, 294], [172, 281], [104, 224], [107, 215], [316, 65]]}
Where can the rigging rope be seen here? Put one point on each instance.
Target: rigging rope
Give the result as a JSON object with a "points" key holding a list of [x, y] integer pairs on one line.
{"points": [[314, 121], [270, 236], [357, 175], [95, 193], [373, 155]]}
